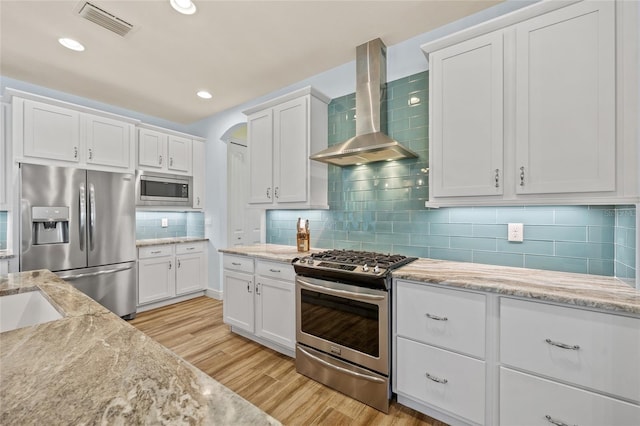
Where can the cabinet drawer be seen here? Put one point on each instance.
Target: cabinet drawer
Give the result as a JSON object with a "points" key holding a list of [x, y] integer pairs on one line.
{"points": [[238, 263], [601, 350], [528, 400], [463, 392], [446, 318], [155, 251], [276, 270], [186, 248]]}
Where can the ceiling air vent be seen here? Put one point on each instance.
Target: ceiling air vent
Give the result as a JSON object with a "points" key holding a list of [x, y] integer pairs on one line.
{"points": [[105, 19]]}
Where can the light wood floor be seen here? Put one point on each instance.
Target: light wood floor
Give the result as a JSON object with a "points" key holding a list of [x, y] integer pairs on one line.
{"points": [[195, 331]]}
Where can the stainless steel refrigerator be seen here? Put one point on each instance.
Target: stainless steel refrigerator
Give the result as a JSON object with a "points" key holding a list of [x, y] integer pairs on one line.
{"points": [[80, 224]]}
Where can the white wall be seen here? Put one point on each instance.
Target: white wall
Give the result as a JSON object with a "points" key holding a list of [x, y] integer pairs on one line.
{"points": [[403, 59]]}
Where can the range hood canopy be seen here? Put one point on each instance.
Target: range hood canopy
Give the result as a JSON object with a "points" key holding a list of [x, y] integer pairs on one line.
{"points": [[370, 144]]}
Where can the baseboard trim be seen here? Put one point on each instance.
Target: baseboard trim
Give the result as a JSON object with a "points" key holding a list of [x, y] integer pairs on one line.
{"points": [[214, 294]]}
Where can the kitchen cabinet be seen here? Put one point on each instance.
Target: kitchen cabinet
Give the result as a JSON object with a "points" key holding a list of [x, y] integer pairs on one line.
{"points": [[54, 133], [167, 272], [281, 135], [259, 301], [199, 178], [523, 109], [467, 357], [163, 151], [573, 347], [439, 343]]}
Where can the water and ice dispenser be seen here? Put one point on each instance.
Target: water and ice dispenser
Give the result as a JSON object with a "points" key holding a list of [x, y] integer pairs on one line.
{"points": [[50, 225]]}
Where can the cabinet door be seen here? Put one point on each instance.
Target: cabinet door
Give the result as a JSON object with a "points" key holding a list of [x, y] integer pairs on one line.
{"points": [[275, 311], [156, 279], [199, 159], [180, 152], [151, 149], [51, 132], [260, 138], [190, 273], [290, 151], [108, 142], [467, 118], [238, 300], [565, 100]]}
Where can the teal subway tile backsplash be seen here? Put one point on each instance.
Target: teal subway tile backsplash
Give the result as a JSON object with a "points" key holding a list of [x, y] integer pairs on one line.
{"points": [[3, 230], [180, 224], [380, 207]]}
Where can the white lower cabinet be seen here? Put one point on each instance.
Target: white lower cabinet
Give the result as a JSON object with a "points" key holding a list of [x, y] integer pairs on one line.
{"points": [[171, 270], [528, 400], [443, 379], [439, 362], [260, 306]]}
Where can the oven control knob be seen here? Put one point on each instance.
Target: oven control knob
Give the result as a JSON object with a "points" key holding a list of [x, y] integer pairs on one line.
{"points": [[376, 269], [365, 267], [310, 261], [303, 260]]}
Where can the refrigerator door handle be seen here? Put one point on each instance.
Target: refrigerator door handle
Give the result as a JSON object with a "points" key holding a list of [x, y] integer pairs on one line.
{"points": [[83, 215], [93, 274], [92, 215]]}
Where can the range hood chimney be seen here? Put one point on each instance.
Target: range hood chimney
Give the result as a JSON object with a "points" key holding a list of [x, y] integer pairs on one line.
{"points": [[370, 144]]}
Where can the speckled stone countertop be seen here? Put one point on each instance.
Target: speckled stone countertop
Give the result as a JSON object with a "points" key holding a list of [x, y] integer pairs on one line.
{"points": [[6, 254], [91, 367], [275, 252], [172, 240], [591, 291]]}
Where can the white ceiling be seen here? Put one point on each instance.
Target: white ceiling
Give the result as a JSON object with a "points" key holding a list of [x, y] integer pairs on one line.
{"points": [[238, 50]]}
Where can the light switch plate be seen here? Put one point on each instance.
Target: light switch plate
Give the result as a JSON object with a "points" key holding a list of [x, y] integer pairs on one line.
{"points": [[165, 222], [515, 232]]}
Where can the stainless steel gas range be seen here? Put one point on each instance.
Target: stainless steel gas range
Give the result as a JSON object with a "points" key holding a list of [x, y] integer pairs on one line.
{"points": [[343, 321]]}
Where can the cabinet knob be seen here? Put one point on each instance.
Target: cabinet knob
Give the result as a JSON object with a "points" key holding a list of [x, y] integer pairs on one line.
{"points": [[562, 345], [179, 264], [522, 176], [171, 161], [198, 200], [75, 152], [249, 287], [258, 289], [436, 379], [497, 178], [160, 160], [276, 193], [555, 421], [269, 193], [170, 265], [435, 317], [90, 154]]}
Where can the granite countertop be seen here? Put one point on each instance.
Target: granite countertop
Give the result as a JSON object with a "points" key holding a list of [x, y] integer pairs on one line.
{"points": [[591, 291], [6, 254], [277, 252], [170, 240], [91, 367]]}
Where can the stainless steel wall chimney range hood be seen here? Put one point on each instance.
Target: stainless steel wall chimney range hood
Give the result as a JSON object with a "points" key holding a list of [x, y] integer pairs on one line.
{"points": [[370, 144]]}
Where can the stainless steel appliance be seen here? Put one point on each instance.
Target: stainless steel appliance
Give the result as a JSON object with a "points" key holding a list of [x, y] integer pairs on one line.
{"points": [[157, 189], [80, 224], [343, 320]]}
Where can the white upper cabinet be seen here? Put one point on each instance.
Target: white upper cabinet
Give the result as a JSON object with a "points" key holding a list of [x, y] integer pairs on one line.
{"points": [[164, 151], [282, 134], [199, 161], [108, 142], [565, 100], [535, 107], [51, 132], [468, 159]]}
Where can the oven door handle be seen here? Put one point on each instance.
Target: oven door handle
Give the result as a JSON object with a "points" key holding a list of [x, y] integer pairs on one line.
{"points": [[340, 293], [341, 369]]}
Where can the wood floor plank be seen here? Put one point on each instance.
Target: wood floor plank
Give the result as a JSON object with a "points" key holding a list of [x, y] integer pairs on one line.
{"points": [[194, 330]]}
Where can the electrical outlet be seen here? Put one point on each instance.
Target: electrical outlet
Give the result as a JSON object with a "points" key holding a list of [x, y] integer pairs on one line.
{"points": [[515, 232], [165, 222]]}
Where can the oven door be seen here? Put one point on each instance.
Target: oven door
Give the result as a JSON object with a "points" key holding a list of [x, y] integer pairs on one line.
{"points": [[345, 321]]}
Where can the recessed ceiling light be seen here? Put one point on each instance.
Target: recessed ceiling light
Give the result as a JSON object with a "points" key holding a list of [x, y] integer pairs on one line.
{"points": [[72, 44], [185, 7], [204, 94]]}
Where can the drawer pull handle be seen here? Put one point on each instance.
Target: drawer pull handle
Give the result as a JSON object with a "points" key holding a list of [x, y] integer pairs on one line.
{"points": [[436, 379], [191, 248], [555, 422], [275, 270], [156, 252], [236, 263], [435, 317], [562, 345]]}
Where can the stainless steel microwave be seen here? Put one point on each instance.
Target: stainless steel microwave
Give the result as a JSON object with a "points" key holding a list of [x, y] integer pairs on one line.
{"points": [[158, 189]]}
